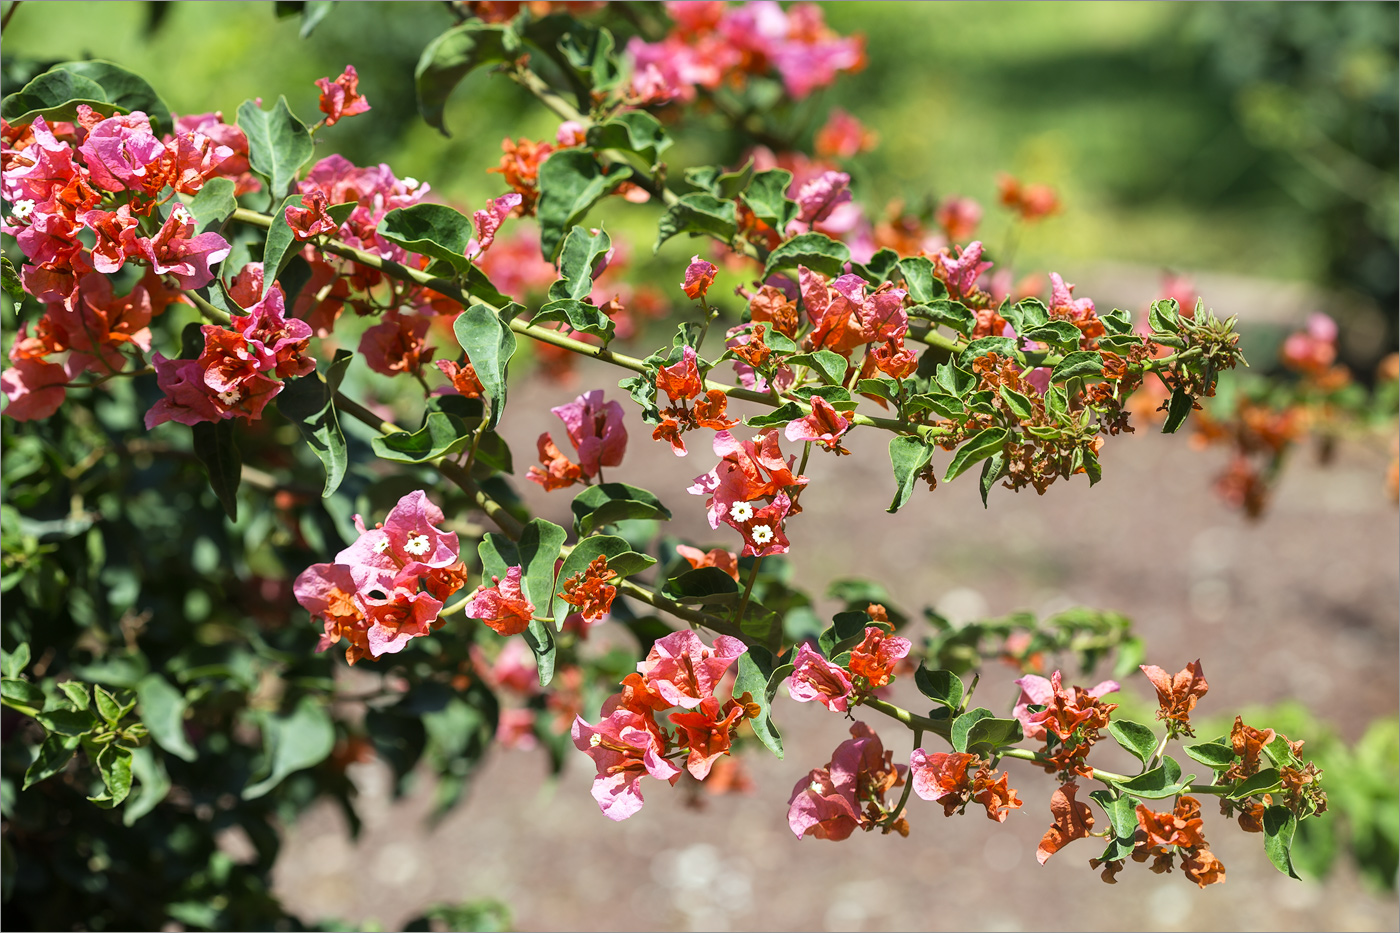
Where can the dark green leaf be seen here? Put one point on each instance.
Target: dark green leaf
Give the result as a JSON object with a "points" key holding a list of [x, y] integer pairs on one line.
{"points": [[1135, 737], [489, 343], [1164, 316], [1003, 346], [1122, 819], [583, 251], [307, 402], [788, 411], [54, 753], [1262, 782], [886, 389], [1079, 364], [827, 364], [162, 709], [214, 445], [68, 721], [847, 630], [77, 693], [813, 250], [959, 382], [1055, 333], [993, 470], [434, 230], [963, 725], [1162, 781], [581, 316], [1281, 753], [1027, 314], [1178, 408], [588, 51], [698, 214], [54, 95], [126, 89], [293, 741], [451, 56], [441, 436], [1279, 827], [213, 205], [979, 446], [621, 559], [114, 765], [153, 784], [940, 686], [281, 244], [759, 674], [920, 281], [9, 280], [21, 693], [1020, 405], [701, 585], [767, 197], [571, 182], [609, 503], [729, 185], [879, 268], [1212, 754], [979, 729], [952, 314], [633, 131], [278, 144], [107, 706], [535, 553], [909, 456]]}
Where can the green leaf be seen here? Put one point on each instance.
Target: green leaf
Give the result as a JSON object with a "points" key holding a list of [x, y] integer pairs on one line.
{"points": [[293, 741], [698, 214], [434, 230], [767, 197], [54, 95], [940, 686], [1019, 404], [213, 205], [581, 253], [621, 559], [1122, 819], [1212, 754], [759, 674], [609, 503], [77, 693], [308, 402], [588, 52], [1262, 782], [959, 382], [633, 131], [813, 250], [579, 315], [729, 185], [489, 343], [54, 753], [153, 784], [68, 721], [1164, 316], [107, 706], [1003, 346], [909, 456], [847, 630], [919, 279], [1281, 753], [1135, 737], [278, 144], [441, 436], [1279, 826], [162, 709], [126, 89], [535, 554], [702, 585], [10, 281], [114, 765], [216, 448], [1056, 333], [1178, 408], [281, 243], [980, 729], [571, 181], [827, 364], [22, 695], [788, 411], [993, 470], [451, 56], [963, 725], [886, 389], [879, 268], [1079, 364], [1025, 315], [979, 446], [1161, 781], [952, 314]]}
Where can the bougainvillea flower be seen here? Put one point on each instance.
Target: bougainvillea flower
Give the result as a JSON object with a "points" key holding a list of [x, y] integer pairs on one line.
{"points": [[558, 470], [823, 426], [862, 765], [1177, 693], [187, 399], [407, 539], [875, 657], [761, 525], [1247, 742], [464, 379], [959, 218], [816, 678], [488, 221], [1039, 691], [747, 471], [699, 275], [503, 605], [312, 220], [817, 198], [843, 136], [684, 670], [397, 617], [708, 732], [942, 778], [175, 251], [624, 746], [995, 794], [1032, 202], [771, 305], [277, 343], [34, 388], [327, 591], [1062, 300], [845, 317], [960, 274], [397, 345], [341, 97], [1072, 820], [595, 429], [1181, 829], [819, 808], [727, 561], [681, 381], [114, 230], [122, 151], [709, 411], [521, 167], [590, 591]]}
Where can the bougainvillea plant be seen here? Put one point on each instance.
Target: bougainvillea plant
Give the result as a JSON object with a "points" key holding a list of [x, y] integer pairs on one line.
{"points": [[830, 328]]}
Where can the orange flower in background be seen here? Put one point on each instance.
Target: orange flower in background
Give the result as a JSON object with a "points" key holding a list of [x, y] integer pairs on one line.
{"points": [[1032, 202], [590, 591], [521, 167], [1247, 742], [559, 471], [341, 97], [1177, 693]]}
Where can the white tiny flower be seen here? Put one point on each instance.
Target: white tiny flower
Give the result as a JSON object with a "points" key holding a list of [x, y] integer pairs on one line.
{"points": [[816, 787], [417, 545], [230, 397], [410, 182], [741, 511], [22, 209], [381, 545], [761, 534], [595, 740]]}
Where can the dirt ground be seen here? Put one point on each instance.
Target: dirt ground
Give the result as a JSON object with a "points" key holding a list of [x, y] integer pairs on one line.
{"points": [[1301, 605]]}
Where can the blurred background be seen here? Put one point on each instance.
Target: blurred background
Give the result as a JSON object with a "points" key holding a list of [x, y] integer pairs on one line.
{"points": [[1249, 147]]}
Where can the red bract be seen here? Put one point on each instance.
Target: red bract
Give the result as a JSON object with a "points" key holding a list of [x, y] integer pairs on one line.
{"points": [[683, 670], [342, 97], [816, 678], [34, 388], [177, 252], [845, 317], [699, 275], [590, 590], [1032, 202], [761, 525], [747, 471], [1177, 693], [596, 430], [1064, 712], [488, 221], [831, 802], [959, 274], [521, 167], [397, 345], [941, 777], [464, 380], [823, 426], [277, 342], [1179, 830], [624, 745], [503, 606], [559, 471], [122, 152], [311, 221], [1072, 820], [719, 557], [707, 732], [959, 218], [875, 657], [681, 381], [843, 136]]}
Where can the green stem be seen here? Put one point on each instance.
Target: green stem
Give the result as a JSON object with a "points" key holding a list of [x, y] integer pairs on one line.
{"points": [[939, 727], [748, 590], [889, 821], [209, 312]]}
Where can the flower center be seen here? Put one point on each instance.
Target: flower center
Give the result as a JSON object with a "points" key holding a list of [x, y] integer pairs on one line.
{"points": [[761, 534], [230, 397]]}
